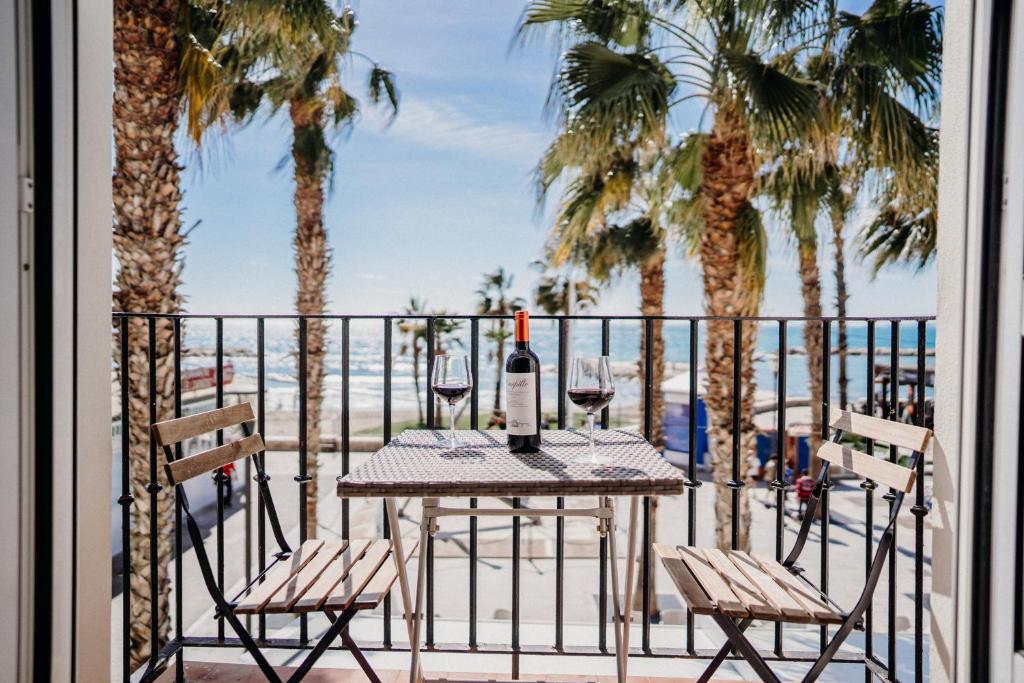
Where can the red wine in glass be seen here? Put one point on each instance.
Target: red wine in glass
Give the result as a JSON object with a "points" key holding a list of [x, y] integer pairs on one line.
{"points": [[591, 400], [452, 381], [453, 392], [591, 387]]}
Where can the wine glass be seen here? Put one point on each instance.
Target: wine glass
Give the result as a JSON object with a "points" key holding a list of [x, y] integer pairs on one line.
{"points": [[452, 381], [591, 388]]}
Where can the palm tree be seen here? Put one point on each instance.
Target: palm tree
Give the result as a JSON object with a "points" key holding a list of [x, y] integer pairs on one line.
{"points": [[629, 185], [866, 65], [416, 331], [628, 65], [494, 299], [297, 59], [162, 69], [798, 189]]}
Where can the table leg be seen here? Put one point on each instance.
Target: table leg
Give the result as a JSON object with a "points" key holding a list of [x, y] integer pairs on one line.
{"points": [[613, 561], [627, 614], [421, 570], [400, 564]]}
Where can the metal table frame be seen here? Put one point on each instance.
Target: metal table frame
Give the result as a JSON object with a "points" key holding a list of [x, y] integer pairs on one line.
{"points": [[604, 513]]}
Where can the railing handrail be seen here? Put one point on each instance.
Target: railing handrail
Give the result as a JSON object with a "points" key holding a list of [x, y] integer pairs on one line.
{"points": [[486, 316]]}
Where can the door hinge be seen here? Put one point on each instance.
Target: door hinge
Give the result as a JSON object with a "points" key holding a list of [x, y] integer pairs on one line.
{"points": [[27, 195]]}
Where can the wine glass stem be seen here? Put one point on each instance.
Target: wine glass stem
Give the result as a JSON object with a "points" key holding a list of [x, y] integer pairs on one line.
{"points": [[590, 419], [451, 431]]}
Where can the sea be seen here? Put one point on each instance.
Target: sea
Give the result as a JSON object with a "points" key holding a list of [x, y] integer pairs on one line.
{"points": [[367, 357]]}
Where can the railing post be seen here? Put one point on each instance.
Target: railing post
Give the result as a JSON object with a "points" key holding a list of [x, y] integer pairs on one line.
{"points": [[736, 483], [826, 393], [602, 578], [346, 446], [894, 412], [261, 427], [125, 501], [179, 625], [303, 450], [474, 423], [154, 489], [919, 510], [388, 342], [692, 482], [780, 460], [869, 497]]}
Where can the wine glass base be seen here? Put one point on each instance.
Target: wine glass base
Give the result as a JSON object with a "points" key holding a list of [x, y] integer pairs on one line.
{"points": [[595, 459], [457, 444]]}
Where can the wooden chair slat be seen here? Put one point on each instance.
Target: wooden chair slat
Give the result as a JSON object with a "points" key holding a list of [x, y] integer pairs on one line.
{"points": [[791, 610], [331, 576], [819, 611], [885, 472], [359, 575], [380, 585], [170, 432], [684, 580], [278, 575], [192, 466], [897, 433], [712, 583], [300, 582], [746, 590]]}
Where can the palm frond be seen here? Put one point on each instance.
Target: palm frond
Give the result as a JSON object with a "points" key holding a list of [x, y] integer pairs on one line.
{"points": [[204, 93], [752, 243], [781, 105], [905, 229], [623, 22], [382, 84], [624, 247], [616, 93], [902, 38]]}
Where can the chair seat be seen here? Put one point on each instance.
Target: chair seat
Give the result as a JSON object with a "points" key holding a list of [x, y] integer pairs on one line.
{"points": [[326, 576], [740, 585]]}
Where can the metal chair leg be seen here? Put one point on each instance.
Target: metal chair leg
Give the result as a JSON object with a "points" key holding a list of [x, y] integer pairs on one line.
{"points": [[250, 645], [337, 626], [749, 652], [722, 654], [830, 650], [359, 657]]}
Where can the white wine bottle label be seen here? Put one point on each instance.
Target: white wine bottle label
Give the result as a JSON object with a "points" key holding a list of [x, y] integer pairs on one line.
{"points": [[521, 403]]}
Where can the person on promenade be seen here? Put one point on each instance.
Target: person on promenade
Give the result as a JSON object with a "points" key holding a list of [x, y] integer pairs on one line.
{"points": [[804, 488], [770, 468], [227, 482], [754, 473]]}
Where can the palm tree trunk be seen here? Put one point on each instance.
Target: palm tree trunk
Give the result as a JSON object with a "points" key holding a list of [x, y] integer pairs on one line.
{"points": [[838, 223], [148, 244], [728, 170], [312, 264], [652, 303], [810, 284]]}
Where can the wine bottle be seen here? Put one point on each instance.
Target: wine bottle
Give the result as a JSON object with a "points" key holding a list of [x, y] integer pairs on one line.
{"points": [[522, 391]]}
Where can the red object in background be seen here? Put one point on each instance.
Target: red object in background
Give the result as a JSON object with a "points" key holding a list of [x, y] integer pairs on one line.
{"points": [[194, 379]]}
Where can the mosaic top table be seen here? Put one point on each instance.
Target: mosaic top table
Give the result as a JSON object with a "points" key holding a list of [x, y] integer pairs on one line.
{"points": [[420, 464]]}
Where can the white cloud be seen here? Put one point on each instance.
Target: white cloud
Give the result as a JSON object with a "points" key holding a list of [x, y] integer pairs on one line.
{"points": [[455, 125]]}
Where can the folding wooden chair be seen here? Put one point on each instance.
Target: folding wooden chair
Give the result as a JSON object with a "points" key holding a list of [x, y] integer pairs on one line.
{"points": [[736, 588], [336, 577]]}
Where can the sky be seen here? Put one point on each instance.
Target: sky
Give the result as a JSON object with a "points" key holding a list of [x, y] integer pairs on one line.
{"points": [[425, 204]]}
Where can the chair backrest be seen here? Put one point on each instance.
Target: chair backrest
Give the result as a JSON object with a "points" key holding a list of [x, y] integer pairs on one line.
{"points": [[877, 469], [172, 432]]}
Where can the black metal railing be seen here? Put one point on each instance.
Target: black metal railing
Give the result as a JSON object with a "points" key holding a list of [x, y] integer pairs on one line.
{"points": [[130, 325]]}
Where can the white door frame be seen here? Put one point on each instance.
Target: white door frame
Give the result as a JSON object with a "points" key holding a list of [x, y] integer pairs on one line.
{"points": [[74, 186]]}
